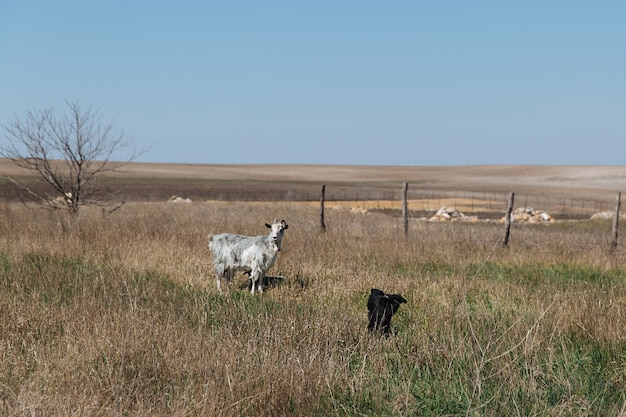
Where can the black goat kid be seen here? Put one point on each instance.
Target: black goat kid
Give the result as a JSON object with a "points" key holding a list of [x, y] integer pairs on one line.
{"points": [[381, 307]]}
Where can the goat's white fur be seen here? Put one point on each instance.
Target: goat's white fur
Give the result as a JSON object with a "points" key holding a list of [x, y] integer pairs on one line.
{"points": [[253, 254]]}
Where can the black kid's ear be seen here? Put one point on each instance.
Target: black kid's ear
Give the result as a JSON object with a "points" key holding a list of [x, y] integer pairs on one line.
{"points": [[397, 298], [377, 292]]}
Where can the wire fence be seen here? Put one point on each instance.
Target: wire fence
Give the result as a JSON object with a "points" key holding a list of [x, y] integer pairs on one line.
{"points": [[428, 200], [369, 195]]}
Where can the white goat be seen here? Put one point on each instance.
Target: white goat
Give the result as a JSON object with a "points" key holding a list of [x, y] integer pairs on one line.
{"points": [[252, 254]]}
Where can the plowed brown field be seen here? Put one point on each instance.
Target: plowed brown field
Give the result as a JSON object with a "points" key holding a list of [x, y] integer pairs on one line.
{"points": [[580, 189]]}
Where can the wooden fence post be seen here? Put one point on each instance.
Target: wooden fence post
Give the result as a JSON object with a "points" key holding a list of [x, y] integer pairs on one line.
{"points": [[322, 224], [405, 212], [507, 220], [615, 222]]}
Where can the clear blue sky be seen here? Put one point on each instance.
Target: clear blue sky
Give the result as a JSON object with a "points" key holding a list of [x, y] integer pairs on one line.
{"points": [[330, 82]]}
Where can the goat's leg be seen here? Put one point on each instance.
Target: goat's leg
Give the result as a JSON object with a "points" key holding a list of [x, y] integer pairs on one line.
{"points": [[257, 281], [254, 276], [219, 273], [226, 274], [260, 282]]}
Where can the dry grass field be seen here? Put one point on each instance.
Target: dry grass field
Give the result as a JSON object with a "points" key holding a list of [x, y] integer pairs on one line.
{"points": [[119, 315]]}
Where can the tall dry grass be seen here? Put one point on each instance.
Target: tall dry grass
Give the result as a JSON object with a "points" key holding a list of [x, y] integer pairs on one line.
{"points": [[119, 315]]}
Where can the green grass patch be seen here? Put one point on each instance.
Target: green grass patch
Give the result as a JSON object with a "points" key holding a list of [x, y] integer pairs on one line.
{"points": [[562, 275]]}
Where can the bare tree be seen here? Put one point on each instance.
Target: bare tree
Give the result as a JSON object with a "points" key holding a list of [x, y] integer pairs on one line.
{"points": [[67, 153]]}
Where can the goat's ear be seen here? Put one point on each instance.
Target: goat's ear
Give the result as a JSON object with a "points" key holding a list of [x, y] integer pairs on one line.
{"points": [[399, 299], [269, 226], [284, 223]]}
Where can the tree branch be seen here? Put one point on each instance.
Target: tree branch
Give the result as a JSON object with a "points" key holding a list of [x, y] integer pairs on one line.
{"points": [[67, 153]]}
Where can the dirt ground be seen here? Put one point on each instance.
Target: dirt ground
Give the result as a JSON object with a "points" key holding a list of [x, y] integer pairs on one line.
{"points": [[577, 188]]}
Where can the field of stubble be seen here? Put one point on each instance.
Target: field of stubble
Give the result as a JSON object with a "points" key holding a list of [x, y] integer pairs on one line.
{"points": [[119, 315]]}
